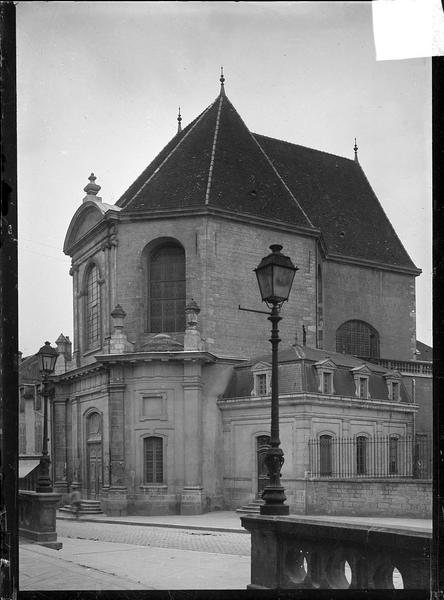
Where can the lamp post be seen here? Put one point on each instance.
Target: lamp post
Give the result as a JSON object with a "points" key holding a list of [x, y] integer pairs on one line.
{"points": [[275, 275], [47, 360]]}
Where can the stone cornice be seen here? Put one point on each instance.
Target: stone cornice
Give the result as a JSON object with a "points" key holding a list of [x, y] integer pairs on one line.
{"points": [[180, 355], [316, 398], [203, 211], [362, 262]]}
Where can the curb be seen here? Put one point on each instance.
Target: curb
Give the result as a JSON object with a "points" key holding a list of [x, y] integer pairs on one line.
{"points": [[168, 525]]}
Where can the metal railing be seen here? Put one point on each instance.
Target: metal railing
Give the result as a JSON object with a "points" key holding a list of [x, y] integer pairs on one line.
{"points": [[370, 457]]}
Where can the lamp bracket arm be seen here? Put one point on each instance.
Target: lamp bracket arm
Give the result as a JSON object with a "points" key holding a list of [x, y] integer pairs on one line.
{"points": [[262, 312]]}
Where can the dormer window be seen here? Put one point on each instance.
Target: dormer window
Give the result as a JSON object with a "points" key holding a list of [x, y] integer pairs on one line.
{"points": [[261, 379], [393, 380], [327, 382], [363, 387], [361, 376], [325, 370], [261, 384]]}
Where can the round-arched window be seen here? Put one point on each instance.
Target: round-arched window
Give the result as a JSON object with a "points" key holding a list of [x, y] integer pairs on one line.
{"points": [[357, 338], [166, 289]]}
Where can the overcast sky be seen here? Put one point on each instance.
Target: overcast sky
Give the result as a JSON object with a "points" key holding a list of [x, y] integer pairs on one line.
{"points": [[99, 84]]}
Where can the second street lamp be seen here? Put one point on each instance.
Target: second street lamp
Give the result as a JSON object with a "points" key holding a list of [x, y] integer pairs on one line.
{"points": [[47, 360], [275, 275]]}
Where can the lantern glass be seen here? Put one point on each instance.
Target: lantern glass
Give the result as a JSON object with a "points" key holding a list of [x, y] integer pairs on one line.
{"points": [[275, 276], [47, 358], [282, 282]]}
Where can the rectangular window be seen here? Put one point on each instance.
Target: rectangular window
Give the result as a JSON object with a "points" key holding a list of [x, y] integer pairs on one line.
{"points": [[153, 460], [261, 384], [394, 391], [22, 401], [363, 387], [327, 388]]}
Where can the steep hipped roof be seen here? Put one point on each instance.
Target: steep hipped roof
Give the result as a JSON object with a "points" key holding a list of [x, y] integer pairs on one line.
{"points": [[217, 162]]}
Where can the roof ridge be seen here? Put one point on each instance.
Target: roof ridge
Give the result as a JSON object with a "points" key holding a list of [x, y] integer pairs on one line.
{"points": [[213, 149], [282, 180], [352, 160], [174, 149]]}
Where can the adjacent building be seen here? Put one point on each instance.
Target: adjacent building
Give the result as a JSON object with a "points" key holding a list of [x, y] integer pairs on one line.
{"points": [[163, 405]]}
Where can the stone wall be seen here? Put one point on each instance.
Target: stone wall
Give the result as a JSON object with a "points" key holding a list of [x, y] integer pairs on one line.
{"points": [[384, 299], [388, 498]]}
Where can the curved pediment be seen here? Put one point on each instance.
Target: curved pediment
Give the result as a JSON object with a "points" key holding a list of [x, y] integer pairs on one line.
{"points": [[84, 220]]}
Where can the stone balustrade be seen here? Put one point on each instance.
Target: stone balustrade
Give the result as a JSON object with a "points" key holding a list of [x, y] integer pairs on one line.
{"points": [[295, 552]]}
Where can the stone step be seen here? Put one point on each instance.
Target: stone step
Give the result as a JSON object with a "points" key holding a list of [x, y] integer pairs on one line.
{"points": [[87, 507], [253, 507]]}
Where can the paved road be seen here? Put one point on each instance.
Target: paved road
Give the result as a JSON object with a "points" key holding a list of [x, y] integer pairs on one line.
{"points": [[217, 542]]}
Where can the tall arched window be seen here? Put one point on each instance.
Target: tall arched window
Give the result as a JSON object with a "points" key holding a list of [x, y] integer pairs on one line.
{"points": [[393, 455], [361, 455], [166, 289], [325, 455], [92, 305], [358, 338], [153, 460]]}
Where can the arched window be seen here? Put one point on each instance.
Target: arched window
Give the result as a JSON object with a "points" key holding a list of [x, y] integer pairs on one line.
{"points": [[92, 305], [358, 338], [153, 460], [361, 455], [393, 456], [325, 455], [166, 289]]}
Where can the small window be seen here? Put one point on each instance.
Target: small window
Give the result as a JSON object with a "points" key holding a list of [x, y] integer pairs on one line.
{"points": [[153, 460], [327, 383], [261, 384], [393, 456], [22, 400], [363, 387], [394, 391], [361, 455]]}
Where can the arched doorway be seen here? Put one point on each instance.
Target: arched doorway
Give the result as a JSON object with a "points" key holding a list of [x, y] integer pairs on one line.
{"points": [[94, 455], [262, 444]]}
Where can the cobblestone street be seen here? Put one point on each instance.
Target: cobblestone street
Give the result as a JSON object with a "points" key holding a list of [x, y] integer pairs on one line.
{"points": [[160, 537]]}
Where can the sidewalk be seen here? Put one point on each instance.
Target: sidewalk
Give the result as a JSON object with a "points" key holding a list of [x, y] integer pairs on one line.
{"points": [[231, 521], [98, 565]]}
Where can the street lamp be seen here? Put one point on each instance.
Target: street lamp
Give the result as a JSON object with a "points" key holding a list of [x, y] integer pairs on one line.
{"points": [[47, 359], [275, 275]]}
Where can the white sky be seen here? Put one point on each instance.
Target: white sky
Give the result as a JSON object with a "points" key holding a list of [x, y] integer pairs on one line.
{"points": [[98, 88]]}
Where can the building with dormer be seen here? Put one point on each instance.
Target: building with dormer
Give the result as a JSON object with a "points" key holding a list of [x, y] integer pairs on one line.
{"points": [[142, 408]]}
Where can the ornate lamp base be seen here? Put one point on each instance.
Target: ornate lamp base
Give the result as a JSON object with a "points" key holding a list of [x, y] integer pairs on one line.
{"points": [[274, 497]]}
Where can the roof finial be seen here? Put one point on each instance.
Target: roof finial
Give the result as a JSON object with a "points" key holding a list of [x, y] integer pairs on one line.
{"points": [[222, 79], [355, 148], [92, 188], [179, 121]]}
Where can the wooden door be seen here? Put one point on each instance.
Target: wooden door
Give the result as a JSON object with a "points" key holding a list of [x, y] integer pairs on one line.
{"points": [[94, 470], [262, 443]]}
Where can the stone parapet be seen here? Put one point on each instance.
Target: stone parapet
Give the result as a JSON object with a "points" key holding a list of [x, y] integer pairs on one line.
{"points": [[294, 553]]}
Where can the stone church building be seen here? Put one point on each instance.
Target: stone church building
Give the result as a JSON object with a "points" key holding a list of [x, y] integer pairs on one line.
{"points": [[163, 401]]}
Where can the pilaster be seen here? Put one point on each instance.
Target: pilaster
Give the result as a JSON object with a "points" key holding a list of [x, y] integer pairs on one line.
{"points": [[60, 445]]}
